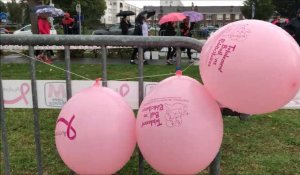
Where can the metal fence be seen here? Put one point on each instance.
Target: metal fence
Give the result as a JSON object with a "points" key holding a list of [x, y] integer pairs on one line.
{"points": [[89, 40]]}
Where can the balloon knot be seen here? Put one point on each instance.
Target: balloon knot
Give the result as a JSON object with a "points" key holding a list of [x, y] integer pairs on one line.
{"points": [[97, 83], [178, 72]]}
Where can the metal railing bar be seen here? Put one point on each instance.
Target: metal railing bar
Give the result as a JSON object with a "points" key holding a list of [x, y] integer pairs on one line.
{"points": [[4, 132], [104, 66], [68, 74], [92, 40], [37, 135], [141, 97]]}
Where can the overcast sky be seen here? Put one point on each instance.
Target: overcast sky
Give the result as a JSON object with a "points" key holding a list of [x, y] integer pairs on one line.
{"points": [[141, 3]]}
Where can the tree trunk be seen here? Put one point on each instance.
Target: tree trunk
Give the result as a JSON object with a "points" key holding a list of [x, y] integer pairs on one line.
{"points": [[33, 17]]}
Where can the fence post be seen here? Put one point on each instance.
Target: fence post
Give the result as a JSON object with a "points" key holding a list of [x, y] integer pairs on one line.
{"points": [[141, 97], [68, 79], [178, 58], [215, 166], [35, 113], [104, 66], [68, 72], [4, 131]]}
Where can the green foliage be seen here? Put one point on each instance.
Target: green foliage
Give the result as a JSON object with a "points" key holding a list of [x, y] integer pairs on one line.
{"points": [[2, 7], [15, 12], [92, 10], [263, 9]]}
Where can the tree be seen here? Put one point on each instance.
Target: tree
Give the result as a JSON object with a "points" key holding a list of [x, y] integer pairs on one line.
{"points": [[15, 12], [33, 17], [263, 9], [287, 8], [92, 10], [3, 7]]}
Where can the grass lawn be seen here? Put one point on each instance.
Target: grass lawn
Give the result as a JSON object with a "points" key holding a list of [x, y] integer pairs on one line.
{"points": [[265, 144]]}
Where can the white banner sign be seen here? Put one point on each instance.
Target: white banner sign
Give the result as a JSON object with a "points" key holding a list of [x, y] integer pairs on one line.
{"points": [[52, 93]]}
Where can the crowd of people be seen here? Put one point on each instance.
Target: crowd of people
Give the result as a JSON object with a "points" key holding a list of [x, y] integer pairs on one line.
{"points": [[166, 29], [70, 26]]}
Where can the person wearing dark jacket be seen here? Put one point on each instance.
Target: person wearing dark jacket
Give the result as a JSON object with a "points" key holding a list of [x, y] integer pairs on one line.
{"points": [[125, 25], [293, 27], [75, 26], [140, 29], [185, 30], [170, 31]]}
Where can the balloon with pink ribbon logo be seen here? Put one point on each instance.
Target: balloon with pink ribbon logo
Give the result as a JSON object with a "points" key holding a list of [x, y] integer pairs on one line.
{"points": [[251, 66], [95, 131], [179, 127]]}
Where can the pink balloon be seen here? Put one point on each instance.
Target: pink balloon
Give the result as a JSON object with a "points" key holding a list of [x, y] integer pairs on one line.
{"points": [[179, 127], [251, 66], [95, 132]]}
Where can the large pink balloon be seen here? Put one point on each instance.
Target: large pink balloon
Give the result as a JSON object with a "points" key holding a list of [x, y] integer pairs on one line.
{"points": [[179, 127], [251, 66], [95, 132]]}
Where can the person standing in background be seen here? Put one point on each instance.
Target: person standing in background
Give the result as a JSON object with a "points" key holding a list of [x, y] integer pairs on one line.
{"points": [[125, 25], [293, 27], [44, 29], [170, 31], [67, 23], [75, 26], [141, 29], [185, 30], [280, 22]]}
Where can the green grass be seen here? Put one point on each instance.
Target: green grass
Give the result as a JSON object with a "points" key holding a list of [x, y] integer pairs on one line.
{"points": [[265, 144], [44, 72]]}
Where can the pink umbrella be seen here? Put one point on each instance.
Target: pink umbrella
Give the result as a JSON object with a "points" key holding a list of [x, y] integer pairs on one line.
{"points": [[172, 17]]}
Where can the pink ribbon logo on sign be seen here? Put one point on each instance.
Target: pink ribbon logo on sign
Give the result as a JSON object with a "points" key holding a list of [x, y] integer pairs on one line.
{"points": [[24, 89], [124, 90]]}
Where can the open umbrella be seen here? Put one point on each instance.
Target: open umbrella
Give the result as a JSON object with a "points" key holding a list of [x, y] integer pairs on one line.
{"points": [[194, 16], [126, 13], [50, 11], [172, 17], [35, 8], [145, 13]]}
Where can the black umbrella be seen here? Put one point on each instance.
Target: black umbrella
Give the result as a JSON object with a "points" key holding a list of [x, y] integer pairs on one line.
{"points": [[126, 13], [146, 13]]}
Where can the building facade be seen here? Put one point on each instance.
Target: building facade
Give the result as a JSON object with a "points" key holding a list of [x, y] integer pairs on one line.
{"points": [[113, 7], [213, 15], [171, 3]]}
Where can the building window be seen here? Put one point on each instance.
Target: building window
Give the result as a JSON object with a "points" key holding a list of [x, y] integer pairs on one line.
{"points": [[115, 3], [121, 5], [237, 16], [208, 17], [227, 16], [219, 16]]}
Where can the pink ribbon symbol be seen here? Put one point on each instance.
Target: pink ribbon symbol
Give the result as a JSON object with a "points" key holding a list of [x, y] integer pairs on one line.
{"points": [[124, 90], [24, 89], [69, 127]]}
